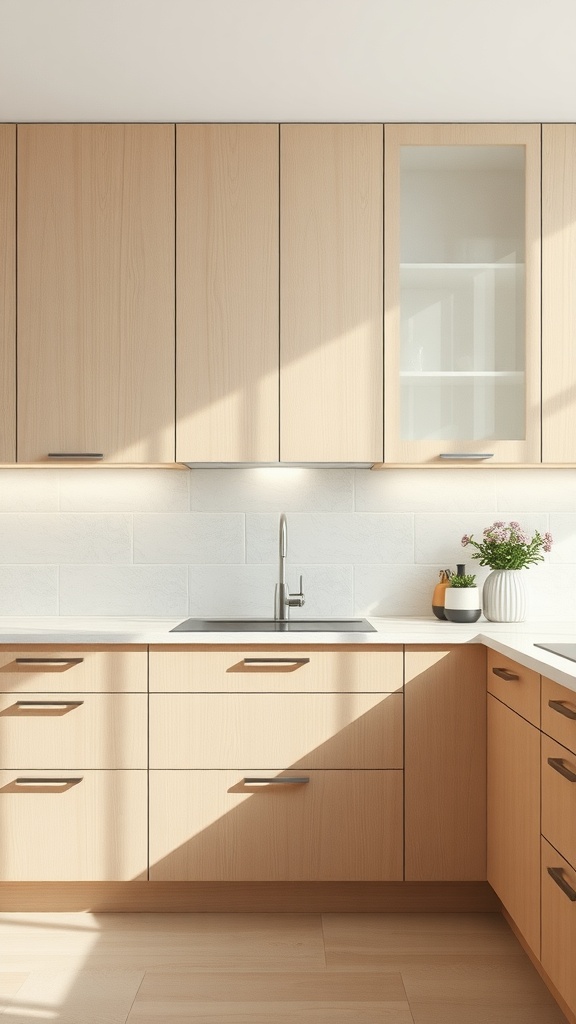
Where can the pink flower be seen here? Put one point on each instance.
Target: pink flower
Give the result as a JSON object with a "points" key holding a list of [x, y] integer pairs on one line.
{"points": [[548, 540], [465, 540]]}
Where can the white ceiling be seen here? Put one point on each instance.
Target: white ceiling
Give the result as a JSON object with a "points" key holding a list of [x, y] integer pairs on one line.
{"points": [[274, 60]]}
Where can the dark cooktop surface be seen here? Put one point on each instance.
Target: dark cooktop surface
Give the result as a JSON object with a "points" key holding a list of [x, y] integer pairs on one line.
{"points": [[564, 650]]}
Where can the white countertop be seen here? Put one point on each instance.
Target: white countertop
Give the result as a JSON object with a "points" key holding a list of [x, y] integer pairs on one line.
{"points": [[516, 640]]}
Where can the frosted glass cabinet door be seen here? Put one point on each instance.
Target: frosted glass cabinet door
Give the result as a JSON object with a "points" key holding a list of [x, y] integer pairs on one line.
{"points": [[462, 293]]}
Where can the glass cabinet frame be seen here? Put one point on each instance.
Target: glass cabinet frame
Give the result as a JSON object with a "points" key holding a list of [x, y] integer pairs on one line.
{"points": [[407, 377]]}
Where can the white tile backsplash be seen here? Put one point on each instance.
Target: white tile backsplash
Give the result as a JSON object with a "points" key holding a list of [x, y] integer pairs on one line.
{"points": [[333, 538], [65, 537], [157, 590], [28, 590], [286, 489], [197, 537], [124, 490], [205, 543], [438, 536]]}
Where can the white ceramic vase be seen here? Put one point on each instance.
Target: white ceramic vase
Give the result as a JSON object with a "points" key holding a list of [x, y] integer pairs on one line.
{"points": [[462, 604], [504, 596]]}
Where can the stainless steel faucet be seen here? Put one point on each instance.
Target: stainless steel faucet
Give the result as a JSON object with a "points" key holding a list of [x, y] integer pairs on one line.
{"points": [[283, 600]]}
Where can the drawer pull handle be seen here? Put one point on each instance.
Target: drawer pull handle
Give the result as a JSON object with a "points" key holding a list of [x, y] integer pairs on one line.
{"points": [[293, 780], [558, 765], [560, 707], [466, 455], [274, 662], [503, 673], [556, 875], [49, 661], [48, 782], [75, 455], [29, 705]]}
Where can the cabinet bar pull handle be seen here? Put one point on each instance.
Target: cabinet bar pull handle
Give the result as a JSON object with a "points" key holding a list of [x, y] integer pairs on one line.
{"points": [[472, 456], [75, 455], [556, 874], [560, 707], [49, 661], [503, 673], [28, 704], [272, 662], [48, 782], [558, 765], [291, 781]]}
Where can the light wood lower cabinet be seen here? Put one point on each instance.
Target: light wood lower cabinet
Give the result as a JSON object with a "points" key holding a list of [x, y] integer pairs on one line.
{"points": [[312, 730], [514, 817], [216, 826], [85, 826], [445, 763], [514, 685], [74, 730], [74, 668], [559, 923], [340, 669], [559, 797]]}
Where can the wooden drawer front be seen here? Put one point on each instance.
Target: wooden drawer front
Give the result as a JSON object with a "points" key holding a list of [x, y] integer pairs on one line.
{"points": [[72, 669], [91, 830], [315, 730], [559, 923], [245, 669], [67, 730], [211, 826], [520, 691], [559, 797], [559, 717]]}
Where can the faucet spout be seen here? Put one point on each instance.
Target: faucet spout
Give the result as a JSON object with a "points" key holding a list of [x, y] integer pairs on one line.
{"points": [[283, 600]]}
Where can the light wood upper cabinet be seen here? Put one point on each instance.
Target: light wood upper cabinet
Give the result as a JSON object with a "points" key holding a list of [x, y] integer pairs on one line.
{"points": [[331, 293], [462, 284], [227, 279], [445, 763], [7, 293], [96, 291], [558, 299]]}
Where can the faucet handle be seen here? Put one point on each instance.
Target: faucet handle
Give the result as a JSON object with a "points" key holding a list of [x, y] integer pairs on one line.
{"points": [[296, 600]]}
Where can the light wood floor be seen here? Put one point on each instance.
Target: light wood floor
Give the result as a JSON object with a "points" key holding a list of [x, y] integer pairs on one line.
{"points": [[267, 969]]}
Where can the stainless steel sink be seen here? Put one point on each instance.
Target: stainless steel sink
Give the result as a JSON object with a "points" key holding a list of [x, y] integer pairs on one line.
{"points": [[274, 626]]}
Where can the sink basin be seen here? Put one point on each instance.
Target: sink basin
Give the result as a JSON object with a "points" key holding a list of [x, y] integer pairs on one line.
{"points": [[273, 626]]}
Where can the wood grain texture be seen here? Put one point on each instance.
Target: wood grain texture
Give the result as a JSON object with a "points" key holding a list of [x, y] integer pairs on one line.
{"points": [[559, 926], [521, 694], [514, 817], [83, 669], [340, 669], [227, 280], [445, 763], [96, 291], [555, 724], [331, 349], [7, 293], [558, 303], [559, 800], [561, 1002], [95, 830], [342, 825], [247, 897], [69, 994], [341, 731], [97, 730], [397, 450]]}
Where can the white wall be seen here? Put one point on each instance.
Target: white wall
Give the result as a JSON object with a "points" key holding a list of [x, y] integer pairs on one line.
{"points": [[204, 543], [282, 60]]}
